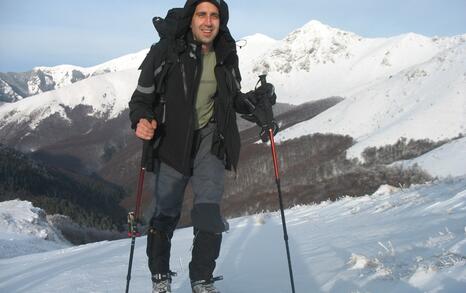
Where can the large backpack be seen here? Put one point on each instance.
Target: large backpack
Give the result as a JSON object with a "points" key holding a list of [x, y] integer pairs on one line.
{"points": [[171, 30], [174, 25]]}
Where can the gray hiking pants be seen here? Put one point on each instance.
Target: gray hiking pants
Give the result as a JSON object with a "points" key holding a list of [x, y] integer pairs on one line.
{"points": [[207, 182]]}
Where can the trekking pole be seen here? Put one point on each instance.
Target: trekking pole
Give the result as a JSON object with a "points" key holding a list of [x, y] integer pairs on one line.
{"points": [[133, 217], [280, 199]]}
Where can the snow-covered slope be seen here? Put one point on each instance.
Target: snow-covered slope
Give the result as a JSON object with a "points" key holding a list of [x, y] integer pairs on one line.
{"points": [[61, 77], [252, 48], [16, 86], [411, 240], [405, 86], [26, 123], [317, 61], [447, 160], [427, 100], [104, 95], [107, 94], [25, 230]]}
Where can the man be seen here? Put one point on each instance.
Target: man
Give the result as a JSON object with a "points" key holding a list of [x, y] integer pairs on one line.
{"points": [[192, 124]]}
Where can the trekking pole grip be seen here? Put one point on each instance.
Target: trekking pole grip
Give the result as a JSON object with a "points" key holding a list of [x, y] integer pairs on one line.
{"points": [[146, 148], [263, 79]]}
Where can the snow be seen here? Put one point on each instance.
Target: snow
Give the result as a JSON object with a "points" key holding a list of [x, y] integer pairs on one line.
{"points": [[404, 86], [395, 240], [24, 230], [422, 101], [446, 160], [317, 61], [8, 90], [107, 91], [407, 86], [107, 94], [129, 61], [62, 74], [253, 47]]}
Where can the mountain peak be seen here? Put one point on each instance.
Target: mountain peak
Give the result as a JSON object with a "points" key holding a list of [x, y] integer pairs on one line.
{"points": [[315, 24], [259, 38], [315, 29], [320, 29]]}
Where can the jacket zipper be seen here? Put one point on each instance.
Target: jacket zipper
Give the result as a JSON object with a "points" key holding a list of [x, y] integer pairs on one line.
{"points": [[227, 119], [197, 79], [185, 86]]}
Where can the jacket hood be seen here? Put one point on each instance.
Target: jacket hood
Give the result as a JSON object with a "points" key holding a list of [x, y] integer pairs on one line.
{"points": [[176, 26], [190, 7]]}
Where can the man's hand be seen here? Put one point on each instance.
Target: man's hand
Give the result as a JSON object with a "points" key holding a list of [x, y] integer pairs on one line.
{"points": [[145, 129]]}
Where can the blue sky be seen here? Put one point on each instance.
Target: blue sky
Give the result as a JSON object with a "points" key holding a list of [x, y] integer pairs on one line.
{"points": [[89, 32]]}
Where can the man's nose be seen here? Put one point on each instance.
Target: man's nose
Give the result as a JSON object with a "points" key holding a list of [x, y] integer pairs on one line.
{"points": [[208, 20]]}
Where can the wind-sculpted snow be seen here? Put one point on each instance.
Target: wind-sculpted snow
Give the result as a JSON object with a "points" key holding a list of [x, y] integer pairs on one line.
{"points": [[395, 240], [25, 230]]}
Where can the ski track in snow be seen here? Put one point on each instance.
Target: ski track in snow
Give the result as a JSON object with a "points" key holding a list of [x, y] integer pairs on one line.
{"points": [[396, 240]]}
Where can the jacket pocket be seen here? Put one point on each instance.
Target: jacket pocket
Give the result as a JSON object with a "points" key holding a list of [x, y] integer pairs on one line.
{"points": [[218, 145]]}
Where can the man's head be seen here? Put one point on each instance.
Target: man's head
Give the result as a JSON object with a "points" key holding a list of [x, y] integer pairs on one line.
{"points": [[205, 22]]}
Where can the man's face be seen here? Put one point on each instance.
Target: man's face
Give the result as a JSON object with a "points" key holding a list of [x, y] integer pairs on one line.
{"points": [[205, 23]]}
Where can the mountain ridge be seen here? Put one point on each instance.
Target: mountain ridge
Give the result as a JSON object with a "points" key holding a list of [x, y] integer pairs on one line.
{"points": [[313, 62], [15, 86]]}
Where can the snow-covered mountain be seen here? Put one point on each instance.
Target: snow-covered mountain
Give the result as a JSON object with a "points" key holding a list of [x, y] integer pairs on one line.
{"points": [[25, 230], [17, 86], [395, 240], [407, 85], [328, 61], [426, 100], [78, 107], [103, 95], [318, 61]]}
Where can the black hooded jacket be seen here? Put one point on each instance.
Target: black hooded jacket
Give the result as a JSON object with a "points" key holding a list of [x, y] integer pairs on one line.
{"points": [[175, 131]]}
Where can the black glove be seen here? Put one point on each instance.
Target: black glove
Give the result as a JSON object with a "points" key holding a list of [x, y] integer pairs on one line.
{"points": [[265, 91], [264, 115], [261, 101]]}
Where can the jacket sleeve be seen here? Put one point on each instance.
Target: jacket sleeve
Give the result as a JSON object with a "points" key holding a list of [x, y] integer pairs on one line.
{"points": [[242, 102], [144, 99]]}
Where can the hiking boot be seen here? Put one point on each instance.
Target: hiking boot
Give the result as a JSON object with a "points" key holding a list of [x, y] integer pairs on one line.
{"points": [[203, 286], [161, 287], [161, 283]]}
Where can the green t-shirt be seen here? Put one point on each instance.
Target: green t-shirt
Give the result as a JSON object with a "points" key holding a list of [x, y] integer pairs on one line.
{"points": [[206, 91]]}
